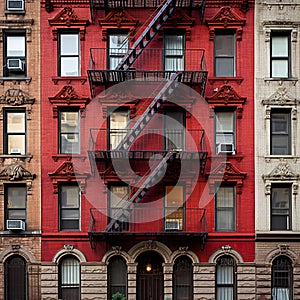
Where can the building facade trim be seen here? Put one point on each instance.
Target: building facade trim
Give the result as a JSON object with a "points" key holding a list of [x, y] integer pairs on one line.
{"points": [[69, 250], [226, 250]]}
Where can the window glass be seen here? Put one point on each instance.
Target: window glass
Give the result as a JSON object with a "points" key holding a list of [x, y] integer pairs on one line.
{"points": [[118, 46], [16, 202], [117, 276], [118, 122], [174, 52], [16, 46]]}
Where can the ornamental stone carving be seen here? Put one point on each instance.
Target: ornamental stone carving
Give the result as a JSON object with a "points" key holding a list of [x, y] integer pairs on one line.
{"points": [[15, 97], [15, 172], [281, 98], [283, 171]]}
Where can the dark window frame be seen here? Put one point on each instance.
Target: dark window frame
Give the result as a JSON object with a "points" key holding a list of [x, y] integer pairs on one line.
{"points": [[226, 261], [232, 209], [287, 58], [23, 58], [281, 266], [288, 133], [7, 209], [233, 57], [279, 211], [61, 133], [114, 287], [64, 209], [60, 55]]}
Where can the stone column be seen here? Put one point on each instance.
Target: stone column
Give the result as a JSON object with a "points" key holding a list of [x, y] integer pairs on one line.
{"points": [[168, 280], [132, 276]]}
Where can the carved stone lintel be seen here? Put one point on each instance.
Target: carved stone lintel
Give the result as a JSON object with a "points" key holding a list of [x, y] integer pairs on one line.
{"points": [[68, 247], [226, 249], [15, 248], [283, 248], [15, 172], [15, 97], [281, 98], [150, 245], [117, 249]]}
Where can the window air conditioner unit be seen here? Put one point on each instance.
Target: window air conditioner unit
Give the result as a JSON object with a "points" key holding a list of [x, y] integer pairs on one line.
{"points": [[172, 225], [15, 225], [15, 4], [15, 64], [225, 148]]}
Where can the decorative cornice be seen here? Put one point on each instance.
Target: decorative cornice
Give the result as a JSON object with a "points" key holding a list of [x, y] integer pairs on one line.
{"points": [[67, 96], [179, 18], [226, 96], [15, 172], [281, 98], [67, 18], [226, 18], [16, 97], [282, 171]]}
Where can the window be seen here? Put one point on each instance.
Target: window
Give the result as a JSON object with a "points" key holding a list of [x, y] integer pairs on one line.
{"points": [[15, 5], [281, 132], [118, 46], [118, 123], [282, 279], [174, 52], [119, 195], [14, 54], [16, 202], [183, 279], [225, 53], [117, 276], [69, 279], [226, 278], [174, 207], [174, 129], [15, 270], [14, 131], [281, 207], [69, 132], [280, 55], [69, 204], [225, 132], [225, 209], [69, 54]]}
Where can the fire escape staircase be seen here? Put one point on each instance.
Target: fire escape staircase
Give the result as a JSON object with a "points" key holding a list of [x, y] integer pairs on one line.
{"points": [[147, 35], [145, 183]]}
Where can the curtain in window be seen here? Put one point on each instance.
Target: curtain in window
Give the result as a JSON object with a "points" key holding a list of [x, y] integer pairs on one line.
{"points": [[280, 294], [174, 56]]}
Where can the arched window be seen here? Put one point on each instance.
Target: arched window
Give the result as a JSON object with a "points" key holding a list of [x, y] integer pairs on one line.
{"points": [[183, 279], [15, 278], [117, 276], [225, 278], [69, 278], [282, 279]]}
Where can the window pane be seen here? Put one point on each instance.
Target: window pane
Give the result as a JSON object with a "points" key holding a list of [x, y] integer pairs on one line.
{"points": [[174, 196], [70, 271], [70, 214], [118, 44], [69, 66], [225, 67], [16, 46], [224, 44], [16, 197], [70, 196], [280, 68], [280, 46], [15, 122], [69, 44], [118, 194], [118, 122], [174, 52], [16, 144], [281, 137], [224, 121], [19, 214], [117, 276]]}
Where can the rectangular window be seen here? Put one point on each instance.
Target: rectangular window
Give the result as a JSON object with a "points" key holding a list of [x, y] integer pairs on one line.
{"points": [[69, 207], [118, 196], [174, 207], [14, 131], [16, 202], [15, 5], [281, 132], [281, 208], [280, 55], [69, 54], [118, 123], [225, 209], [225, 132], [174, 52], [69, 132], [174, 124], [14, 54], [118, 46], [225, 56]]}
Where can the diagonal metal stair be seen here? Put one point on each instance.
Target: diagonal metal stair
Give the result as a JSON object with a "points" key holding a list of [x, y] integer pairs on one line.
{"points": [[147, 35], [146, 182]]}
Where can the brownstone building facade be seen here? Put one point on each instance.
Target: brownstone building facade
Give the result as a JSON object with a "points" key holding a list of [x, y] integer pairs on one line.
{"points": [[20, 222]]}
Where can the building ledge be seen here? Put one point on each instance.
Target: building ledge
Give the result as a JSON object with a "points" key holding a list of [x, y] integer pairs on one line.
{"points": [[20, 233], [276, 236], [15, 79], [19, 157]]}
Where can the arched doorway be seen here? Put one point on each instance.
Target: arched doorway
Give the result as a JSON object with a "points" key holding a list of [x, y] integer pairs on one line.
{"points": [[15, 278], [150, 276]]}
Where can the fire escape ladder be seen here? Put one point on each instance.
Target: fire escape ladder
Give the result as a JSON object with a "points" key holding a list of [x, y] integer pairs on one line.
{"points": [[147, 35], [153, 107], [146, 183]]}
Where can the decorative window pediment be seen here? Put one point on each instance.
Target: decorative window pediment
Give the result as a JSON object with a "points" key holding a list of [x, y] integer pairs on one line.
{"points": [[68, 19], [67, 97], [226, 18], [226, 173], [281, 98], [226, 96], [66, 173], [118, 18]]}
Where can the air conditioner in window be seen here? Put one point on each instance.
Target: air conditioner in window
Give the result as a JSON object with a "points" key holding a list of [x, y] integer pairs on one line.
{"points": [[172, 225], [15, 64], [15, 4], [225, 148], [15, 225]]}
